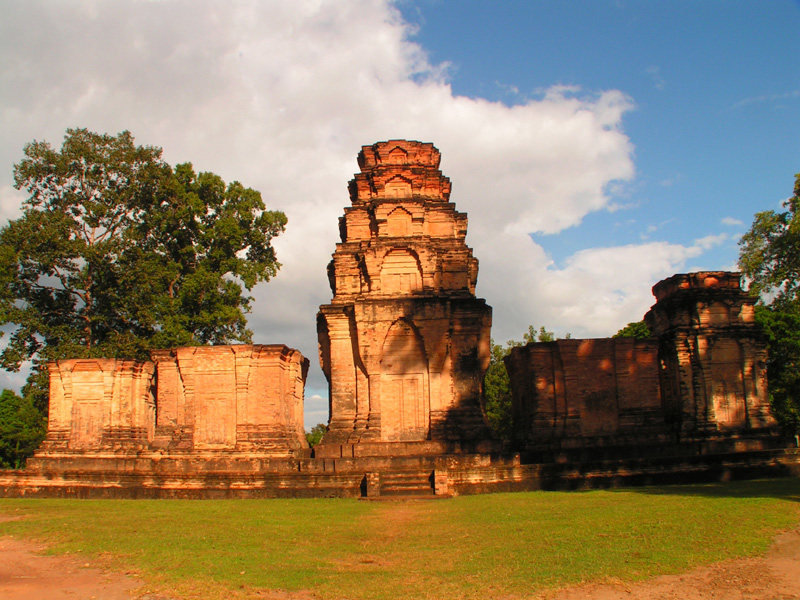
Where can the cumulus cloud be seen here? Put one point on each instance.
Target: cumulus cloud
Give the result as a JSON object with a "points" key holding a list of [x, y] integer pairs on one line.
{"points": [[597, 291], [731, 221], [282, 95]]}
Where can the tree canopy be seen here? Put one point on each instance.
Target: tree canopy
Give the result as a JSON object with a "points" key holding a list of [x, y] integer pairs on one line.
{"points": [[637, 330], [769, 254], [22, 429], [769, 257], [783, 365], [117, 252], [497, 386], [316, 434]]}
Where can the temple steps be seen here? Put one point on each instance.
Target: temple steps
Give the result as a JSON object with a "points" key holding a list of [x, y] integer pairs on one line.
{"points": [[406, 484]]}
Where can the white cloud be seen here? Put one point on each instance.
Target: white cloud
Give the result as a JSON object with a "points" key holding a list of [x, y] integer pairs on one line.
{"points": [[282, 95], [10, 203], [655, 74], [710, 241], [598, 290], [316, 410], [768, 99], [732, 222]]}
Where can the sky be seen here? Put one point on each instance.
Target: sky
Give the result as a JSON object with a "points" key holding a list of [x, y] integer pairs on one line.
{"points": [[597, 146]]}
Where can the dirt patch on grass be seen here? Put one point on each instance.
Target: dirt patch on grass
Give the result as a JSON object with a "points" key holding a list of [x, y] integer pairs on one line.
{"points": [[28, 574], [775, 576]]}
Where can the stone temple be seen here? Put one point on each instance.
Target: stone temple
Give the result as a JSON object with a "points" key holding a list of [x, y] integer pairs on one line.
{"points": [[404, 344]]}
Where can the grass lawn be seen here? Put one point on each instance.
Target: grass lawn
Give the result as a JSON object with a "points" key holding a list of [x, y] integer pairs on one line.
{"points": [[491, 546]]}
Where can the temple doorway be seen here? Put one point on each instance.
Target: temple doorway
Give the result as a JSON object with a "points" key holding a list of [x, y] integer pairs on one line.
{"points": [[405, 395]]}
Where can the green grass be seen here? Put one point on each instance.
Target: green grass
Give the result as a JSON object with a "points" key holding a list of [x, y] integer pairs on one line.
{"points": [[491, 546]]}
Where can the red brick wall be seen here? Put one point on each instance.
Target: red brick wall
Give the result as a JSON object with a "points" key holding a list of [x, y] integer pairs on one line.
{"points": [[582, 389]]}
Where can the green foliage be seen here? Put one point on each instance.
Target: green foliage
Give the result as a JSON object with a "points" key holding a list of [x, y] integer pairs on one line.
{"points": [[489, 546], [636, 330], [783, 364], [497, 386], [22, 429], [497, 394], [117, 252], [769, 254], [314, 436]]}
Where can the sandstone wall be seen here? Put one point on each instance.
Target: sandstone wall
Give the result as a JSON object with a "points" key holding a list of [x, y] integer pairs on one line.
{"points": [[243, 397], [701, 378], [100, 403], [576, 392], [714, 355], [246, 398]]}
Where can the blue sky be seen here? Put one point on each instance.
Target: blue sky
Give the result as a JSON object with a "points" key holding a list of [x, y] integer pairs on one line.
{"points": [[596, 146], [716, 88]]}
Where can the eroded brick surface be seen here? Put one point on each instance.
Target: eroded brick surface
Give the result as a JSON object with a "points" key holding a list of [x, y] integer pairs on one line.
{"points": [[245, 397], [404, 342], [700, 378], [100, 403], [714, 355]]}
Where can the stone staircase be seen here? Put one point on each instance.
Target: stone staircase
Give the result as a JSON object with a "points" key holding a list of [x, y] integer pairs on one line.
{"points": [[405, 484]]}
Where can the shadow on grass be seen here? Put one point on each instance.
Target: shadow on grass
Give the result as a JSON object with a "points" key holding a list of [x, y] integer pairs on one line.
{"points": [[785, 488]]}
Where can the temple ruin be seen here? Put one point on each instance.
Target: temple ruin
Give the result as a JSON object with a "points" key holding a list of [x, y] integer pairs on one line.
{"points": [[404, 344], [699, 382]]}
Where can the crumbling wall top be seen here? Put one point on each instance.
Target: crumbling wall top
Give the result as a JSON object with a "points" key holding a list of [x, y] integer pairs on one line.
{"points": [[698, 282], [399, 169], [398, 152]]}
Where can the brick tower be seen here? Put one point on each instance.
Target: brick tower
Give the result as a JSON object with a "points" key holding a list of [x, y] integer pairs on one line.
{"points": [[713, 356], [404, 343]]}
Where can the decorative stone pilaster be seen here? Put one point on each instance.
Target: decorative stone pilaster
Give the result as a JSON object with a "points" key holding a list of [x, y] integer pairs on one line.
{"points": [[244, 397]]}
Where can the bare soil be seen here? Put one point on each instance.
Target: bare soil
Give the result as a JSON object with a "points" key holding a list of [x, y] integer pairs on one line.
{"points": [[28, 574], [774, 576]]}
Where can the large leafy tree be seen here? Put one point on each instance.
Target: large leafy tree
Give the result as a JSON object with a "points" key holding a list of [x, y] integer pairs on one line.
{"points": [[637, 330], [769, 257], [783, 365], [769, 254], [117, 252], [497, 385], [22, 429]]}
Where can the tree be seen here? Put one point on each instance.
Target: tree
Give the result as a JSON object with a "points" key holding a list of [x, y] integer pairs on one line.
{"points": [[769, 254], [314, 436], [769, 257], [22, 429], [497, 385], [783, 365], [117, 252], [637, 330]]}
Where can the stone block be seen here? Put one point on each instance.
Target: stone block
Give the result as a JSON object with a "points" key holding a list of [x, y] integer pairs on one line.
{"points": [[242, 397], [100, 404]]}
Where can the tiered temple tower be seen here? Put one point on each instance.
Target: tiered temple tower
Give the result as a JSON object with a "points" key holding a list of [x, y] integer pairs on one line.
{"points": [[713, 356], [404, 343]]}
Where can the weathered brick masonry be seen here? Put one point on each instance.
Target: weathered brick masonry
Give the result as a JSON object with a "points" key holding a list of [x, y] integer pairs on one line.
{"points": [[699, 382], [404, 344]]}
